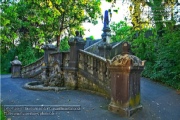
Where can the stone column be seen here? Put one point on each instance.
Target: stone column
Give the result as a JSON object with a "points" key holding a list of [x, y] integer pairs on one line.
{"points": [[125, 71], [75, 44], [15, 68], [48, 48]]}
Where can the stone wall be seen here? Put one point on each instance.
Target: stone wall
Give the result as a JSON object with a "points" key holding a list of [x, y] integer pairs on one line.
{"points": [[115, 75], [33, 70]]}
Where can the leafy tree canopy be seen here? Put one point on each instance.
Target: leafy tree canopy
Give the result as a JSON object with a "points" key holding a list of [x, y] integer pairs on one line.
{"points": [[28, 24], [39, 21]]}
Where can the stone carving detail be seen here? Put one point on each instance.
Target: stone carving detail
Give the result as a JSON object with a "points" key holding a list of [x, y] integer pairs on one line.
{"points": [[77, 38], [43, 76], [123, 60], [55, 78]]}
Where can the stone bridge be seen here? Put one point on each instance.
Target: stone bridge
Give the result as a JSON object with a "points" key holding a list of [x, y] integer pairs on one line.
{"points": [[108, 69]]}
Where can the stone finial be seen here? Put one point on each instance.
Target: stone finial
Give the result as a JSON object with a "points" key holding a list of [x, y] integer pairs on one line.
{"points": [[124, 60], [126, 48], [106, 19], [16, 61], [16, 57], [49, 47], [15, 68], [77, 39], [77, 33], [106, 29]]}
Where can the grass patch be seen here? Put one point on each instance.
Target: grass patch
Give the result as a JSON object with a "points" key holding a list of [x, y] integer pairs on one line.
{"points": [[2, 115]]}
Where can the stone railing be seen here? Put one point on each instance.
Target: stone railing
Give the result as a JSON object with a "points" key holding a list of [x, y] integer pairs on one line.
{"points": [[107, 69], [93, 73], [33, 70], [58, 61], [116, 49], [65, 59], [94, 48]]}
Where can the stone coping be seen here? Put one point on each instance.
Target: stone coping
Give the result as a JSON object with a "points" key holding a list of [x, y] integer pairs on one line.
{"points": [[36, 85]]}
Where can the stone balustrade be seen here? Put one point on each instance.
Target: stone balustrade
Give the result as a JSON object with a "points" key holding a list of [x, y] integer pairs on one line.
{"points": [[65, 59], [58, 60], [109, 70], [93, 69], [33, 70]]}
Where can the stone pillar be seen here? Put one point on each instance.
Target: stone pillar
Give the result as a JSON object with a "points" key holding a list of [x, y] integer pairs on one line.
{"points": [[125, 71], [15, 68], [75, 44], [48, 48], [104, 50], [105, 47]]}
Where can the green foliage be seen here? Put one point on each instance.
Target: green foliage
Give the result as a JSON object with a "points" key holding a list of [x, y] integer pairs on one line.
{"points": [[26, 54], [160, 52], [62, 16], [64, 46], [158, 8], [120, 30], [5, 61], [166, 67], [27, 25], [2, 115], [92, 37]]}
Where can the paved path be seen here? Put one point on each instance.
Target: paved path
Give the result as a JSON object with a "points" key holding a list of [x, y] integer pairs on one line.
{"points": [[159, 102]]}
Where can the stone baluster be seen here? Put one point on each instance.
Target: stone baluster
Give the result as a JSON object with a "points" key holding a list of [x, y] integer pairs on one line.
{"points": [[85, 62], [81, 60], [94, 67], [91, 65], [104, 69]]}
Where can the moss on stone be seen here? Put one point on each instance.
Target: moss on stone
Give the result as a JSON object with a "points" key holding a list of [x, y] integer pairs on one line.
{"points": [[134, 101]]}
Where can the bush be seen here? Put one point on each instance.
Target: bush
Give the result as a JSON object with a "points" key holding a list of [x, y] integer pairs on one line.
{"points": [[160, 51], [5, 61], [64, 46]]}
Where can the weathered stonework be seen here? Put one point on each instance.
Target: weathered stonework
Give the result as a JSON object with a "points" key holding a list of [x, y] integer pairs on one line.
{"points": [[125, 73], [117, 78], [70, 79], [15, 68], [88, 85], [122, 60], [76, 44]]}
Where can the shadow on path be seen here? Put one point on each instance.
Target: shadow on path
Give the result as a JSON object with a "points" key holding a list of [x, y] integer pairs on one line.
{"points": [[159, 102]]}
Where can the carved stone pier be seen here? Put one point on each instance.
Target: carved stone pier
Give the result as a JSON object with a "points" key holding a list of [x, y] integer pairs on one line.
{"points": [[75, 44], [48, 48], [15, 68], [125, 71]]}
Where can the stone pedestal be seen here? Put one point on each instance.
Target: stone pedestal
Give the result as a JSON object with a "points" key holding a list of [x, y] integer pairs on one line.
{"points": [[125, 73], [15, 68], [48, 48], [75, 44]]}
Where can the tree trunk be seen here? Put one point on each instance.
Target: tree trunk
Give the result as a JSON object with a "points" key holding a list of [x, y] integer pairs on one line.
{"points": [[58, 42]]}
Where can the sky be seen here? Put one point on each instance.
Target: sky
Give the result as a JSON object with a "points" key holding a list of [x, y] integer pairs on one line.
{"points": [[96, 30]]}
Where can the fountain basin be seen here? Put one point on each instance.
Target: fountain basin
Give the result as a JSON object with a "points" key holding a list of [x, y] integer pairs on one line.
{"points": [[37, 85]]}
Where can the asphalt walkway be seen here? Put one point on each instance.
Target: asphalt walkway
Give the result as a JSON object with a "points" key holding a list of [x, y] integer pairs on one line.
{"points": [[159, 102]]}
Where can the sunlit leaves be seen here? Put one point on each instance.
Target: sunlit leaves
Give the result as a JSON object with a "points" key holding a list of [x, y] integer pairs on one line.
{"points": [[35, 21], [58, 2], [121, 31]]}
